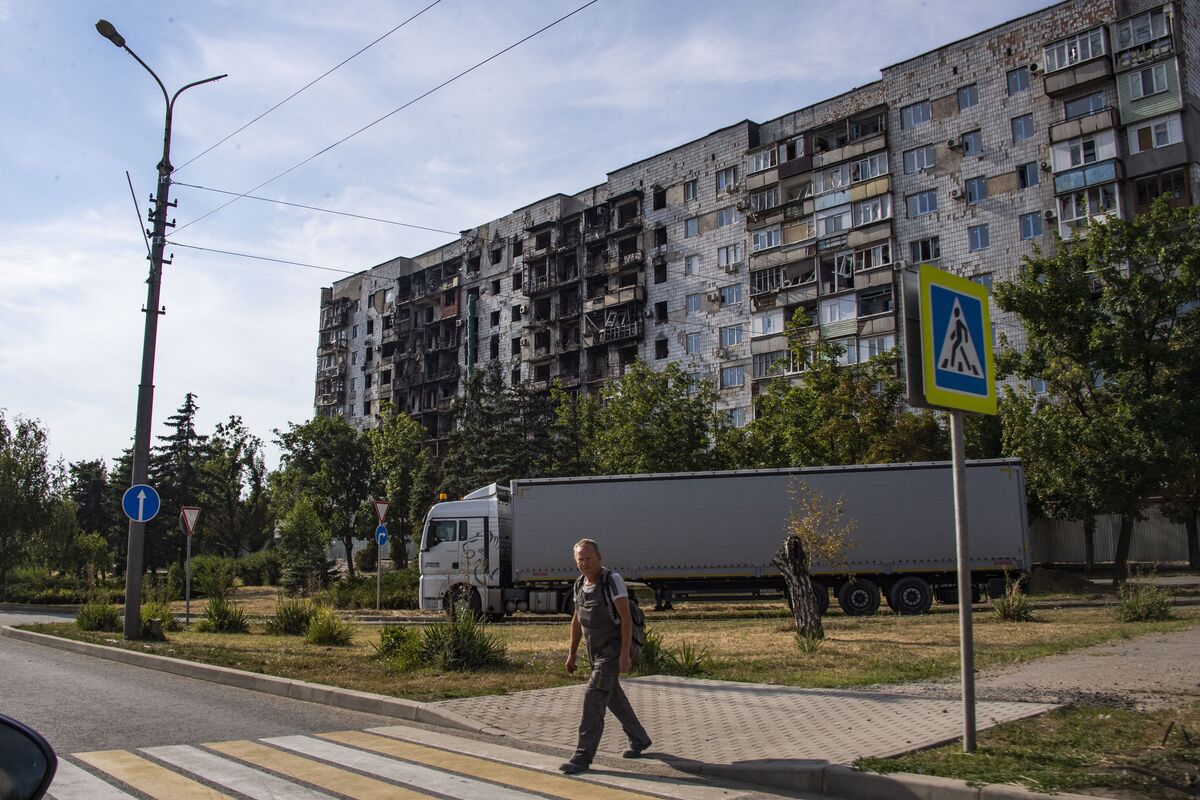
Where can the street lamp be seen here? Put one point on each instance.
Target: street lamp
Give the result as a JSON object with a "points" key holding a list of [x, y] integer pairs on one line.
{"points": [[145, 404]]}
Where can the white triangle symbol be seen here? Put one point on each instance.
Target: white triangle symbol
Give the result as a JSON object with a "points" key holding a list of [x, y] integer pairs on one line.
{"points": [[190, 514], [958, 351]]}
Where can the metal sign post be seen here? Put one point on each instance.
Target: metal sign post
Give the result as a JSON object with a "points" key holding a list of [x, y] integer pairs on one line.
{"points": [[381, 537], [187, 522], [948, 365]]}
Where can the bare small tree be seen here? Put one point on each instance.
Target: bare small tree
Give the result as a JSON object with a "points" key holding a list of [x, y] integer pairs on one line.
{"points": [[814, 530]]}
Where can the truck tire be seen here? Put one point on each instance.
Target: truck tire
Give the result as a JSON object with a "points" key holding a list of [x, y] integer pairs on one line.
{"points": [[910, 595], [822, 593], [463, 594], [859, 597]]}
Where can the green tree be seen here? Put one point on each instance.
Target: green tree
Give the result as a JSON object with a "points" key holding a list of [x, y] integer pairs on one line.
{"points": [[573, 432], [329, 463], [88, 486], [236, 509], [175, 471], [24, 490], [56, 542], [1112, 322], [120, 479], [398, 455], [303, 541]]}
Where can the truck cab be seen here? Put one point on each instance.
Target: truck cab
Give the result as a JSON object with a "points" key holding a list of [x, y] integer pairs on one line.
{"points": [[463, 547]]}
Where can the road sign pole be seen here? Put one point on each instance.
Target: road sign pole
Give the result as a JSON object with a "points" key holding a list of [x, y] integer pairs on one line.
{"points": [[187, 591], [965, 586], [378, 575]]}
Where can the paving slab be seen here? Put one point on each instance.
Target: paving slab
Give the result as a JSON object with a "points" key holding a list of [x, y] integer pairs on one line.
{"points": [[725, 722]]}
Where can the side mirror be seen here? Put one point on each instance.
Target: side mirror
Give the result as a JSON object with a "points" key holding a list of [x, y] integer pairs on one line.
{"points": [[27, 762]]}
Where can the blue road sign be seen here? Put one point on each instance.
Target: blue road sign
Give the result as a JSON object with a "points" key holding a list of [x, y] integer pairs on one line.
{"points": [[957, 342], [381, 535], [140, 502]]}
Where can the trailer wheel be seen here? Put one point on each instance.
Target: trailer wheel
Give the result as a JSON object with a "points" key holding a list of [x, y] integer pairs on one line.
{"points": [[910, 595], [463, 595], [822, 593], [859, 597]]}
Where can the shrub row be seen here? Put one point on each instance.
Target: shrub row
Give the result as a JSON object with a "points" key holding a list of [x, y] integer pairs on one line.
{"points": [[398, 590]]}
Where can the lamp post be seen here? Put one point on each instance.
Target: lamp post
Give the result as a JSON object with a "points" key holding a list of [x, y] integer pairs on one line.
{"points": [[145, 404]]}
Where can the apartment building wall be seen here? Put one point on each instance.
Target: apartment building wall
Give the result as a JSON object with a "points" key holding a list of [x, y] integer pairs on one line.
{"points": [[699, 255]]}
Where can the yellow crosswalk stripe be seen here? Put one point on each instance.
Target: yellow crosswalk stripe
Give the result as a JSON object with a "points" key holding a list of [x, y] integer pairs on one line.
{"points": [[517, 777], [335, 780], [148, 777]]}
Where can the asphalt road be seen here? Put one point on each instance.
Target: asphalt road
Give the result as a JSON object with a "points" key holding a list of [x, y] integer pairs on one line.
{"points": [[81, 703]]}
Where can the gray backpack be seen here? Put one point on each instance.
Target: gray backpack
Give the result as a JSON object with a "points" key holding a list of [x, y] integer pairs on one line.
{"points": [[638, 617]]}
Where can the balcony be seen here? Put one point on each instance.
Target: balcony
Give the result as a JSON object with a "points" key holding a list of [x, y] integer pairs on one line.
{"points": [[570, 309], [1100, 120], [616, 297], [331, 399], [613, 333], [541, 283], [334, 319], [331, 371], [633, 258], [1080, 76], [331, 347]]}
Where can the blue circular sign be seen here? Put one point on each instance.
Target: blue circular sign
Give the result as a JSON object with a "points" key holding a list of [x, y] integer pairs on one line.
{"points": [[140, 502], [381, 535]]}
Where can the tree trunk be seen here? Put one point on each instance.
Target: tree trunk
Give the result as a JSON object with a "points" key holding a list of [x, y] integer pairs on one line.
{"points": [[400, 546], [1121, 559], [1193, 543], [348, 543], [792, 562], [1089, 543]]}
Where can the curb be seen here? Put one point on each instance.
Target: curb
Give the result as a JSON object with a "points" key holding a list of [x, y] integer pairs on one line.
{"points": [[348, 699]]}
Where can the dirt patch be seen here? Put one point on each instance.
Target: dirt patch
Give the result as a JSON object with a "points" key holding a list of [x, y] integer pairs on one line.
{"points": [[1047, 580]]}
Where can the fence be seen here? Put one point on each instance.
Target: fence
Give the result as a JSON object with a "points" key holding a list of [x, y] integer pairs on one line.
{"points": [[1155, 539]]}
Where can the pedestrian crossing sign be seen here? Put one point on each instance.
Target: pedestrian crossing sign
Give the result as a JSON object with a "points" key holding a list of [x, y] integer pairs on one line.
{"points": [[956, 342]]}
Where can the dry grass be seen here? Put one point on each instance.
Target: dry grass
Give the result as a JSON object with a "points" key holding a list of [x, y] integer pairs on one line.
{"points": [[857, 651]]}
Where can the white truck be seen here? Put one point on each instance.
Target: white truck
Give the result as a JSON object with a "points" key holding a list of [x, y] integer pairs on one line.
{"points": [[712, 535]]}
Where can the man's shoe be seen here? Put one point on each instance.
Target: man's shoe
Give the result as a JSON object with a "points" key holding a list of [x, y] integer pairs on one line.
{"points": [[635, 751], [573, 767]]}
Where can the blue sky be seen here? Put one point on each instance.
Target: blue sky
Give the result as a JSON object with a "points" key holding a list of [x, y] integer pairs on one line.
{"points": [[617, 82]]}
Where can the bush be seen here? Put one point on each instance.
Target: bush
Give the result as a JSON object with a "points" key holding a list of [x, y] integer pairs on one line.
{"points": [[161, 612], [259, 569], [213, 576], [328, 628], [42, 587], [461, 643], [398, 591], [1014, 605], [367, 558], [401, 645], [1143, 602], [100, 616], [223, 616], [687, 660], [808, 643], [291, 618]]}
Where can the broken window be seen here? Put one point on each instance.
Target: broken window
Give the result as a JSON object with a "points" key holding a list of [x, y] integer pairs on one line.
{"points": [[762, 160], [516, 346], [875, 301], [494, 347], [661, 348], [660, 199], [976, 189], [660, 273], [972, 143], [660, 237]]}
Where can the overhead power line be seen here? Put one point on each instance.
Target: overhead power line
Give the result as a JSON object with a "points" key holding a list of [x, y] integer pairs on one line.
{"points": [[393, 112], [264, 258], [308, 85]]}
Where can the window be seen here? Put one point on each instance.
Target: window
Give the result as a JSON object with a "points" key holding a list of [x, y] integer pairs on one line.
{"points": [[727, 179], [761, 201], [1027, 174], [1096, 201], [1142, 29], [767, 323], [924, 250], [875, 301], [764, 239], [831, 180], [1074, 50], [693, 303], [1171, 184], [1022, 128], [733, 376], [833, 222], [764, 363], [914, 115], [660, 199], [370, 326], [972, 143], [691, 190], [516, 313], [1018, 80], [918, 159], [368, 379], [968, 96], [731, 294], [691, 227], [1038, 385], [871, 346], [1146, 82], [495, 319], [660, 311], [877, 256], [1155, 133], [870, 167], [729, 255], [873, 210], [731, 335], [494, 347], [660, 273], [763, 159], [660, 236], [726, 216], [1082, 106], [354, 332], [691, 343], [661, 348], [976, 189], [838, 309], [984, 280], [736, 416], [691, 265], [849, 348], [1082, 151], [1031, 225], [977, 238], [922, 203], [515, 346], [516, 282]]}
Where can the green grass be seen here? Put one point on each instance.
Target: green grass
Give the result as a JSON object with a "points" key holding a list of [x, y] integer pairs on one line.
{"points": [[1073, 750]]}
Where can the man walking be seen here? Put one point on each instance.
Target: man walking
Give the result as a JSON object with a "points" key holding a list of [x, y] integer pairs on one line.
{"points": [[603, 621]]}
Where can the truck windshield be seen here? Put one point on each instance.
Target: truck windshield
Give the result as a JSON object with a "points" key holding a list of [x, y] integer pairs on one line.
{"points": [[440, 530]]}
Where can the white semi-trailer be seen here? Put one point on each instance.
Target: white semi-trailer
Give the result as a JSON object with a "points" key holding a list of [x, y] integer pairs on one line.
{"points": [[707, 534]]}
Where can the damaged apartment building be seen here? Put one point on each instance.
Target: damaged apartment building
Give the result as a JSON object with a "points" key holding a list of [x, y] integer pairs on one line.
{"points": [[967, 157]]}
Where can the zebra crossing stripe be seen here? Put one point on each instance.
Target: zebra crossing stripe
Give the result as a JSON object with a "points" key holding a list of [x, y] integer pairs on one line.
{"points": [[242, 779], [148, 777], [339, 781], [417, 776], [552, 785], [72, 783]]}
